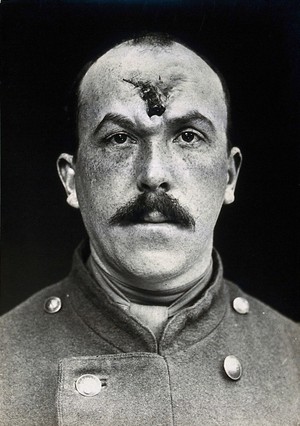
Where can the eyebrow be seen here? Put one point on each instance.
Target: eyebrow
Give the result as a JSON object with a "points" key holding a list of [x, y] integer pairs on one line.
{"points": [[118, 119], [180, 121], [192, 116]]}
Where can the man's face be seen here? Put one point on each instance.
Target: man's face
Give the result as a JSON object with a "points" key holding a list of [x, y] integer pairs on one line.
{"points": [[126, 151]]}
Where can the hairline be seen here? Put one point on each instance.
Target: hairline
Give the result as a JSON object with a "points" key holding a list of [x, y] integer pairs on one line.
{"points": [[150, 42]]}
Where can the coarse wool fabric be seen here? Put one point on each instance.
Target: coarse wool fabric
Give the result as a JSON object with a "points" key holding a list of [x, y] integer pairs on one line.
{"points": [[179, 380]]}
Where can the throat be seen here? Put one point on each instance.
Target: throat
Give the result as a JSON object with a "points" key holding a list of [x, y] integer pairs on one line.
{"points": [[152, 307]]}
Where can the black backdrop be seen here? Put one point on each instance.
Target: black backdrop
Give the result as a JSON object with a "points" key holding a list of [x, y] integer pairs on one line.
{"points": [[254, 43]]}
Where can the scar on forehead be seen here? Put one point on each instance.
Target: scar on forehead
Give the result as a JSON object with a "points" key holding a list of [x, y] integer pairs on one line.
{"points": [[152, 95]]}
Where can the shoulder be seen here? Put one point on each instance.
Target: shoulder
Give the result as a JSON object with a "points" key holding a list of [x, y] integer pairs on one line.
{"points": [[32, 304], [265, 321], [31, 315]]}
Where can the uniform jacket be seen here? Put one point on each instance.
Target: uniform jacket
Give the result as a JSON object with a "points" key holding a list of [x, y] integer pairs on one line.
{"points": [[91, 363]]}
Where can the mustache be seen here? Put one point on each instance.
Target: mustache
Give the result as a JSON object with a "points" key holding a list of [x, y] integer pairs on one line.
{"points": [[135, 210]]}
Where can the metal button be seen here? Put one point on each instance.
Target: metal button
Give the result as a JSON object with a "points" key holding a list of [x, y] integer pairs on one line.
{"points": [[88, 385], [233, 367], [52, 305], [241, 305]]}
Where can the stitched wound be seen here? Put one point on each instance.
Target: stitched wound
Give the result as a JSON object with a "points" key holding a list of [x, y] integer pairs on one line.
{"points": [[151, 95]]}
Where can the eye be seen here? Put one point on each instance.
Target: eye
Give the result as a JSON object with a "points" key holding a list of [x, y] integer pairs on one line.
{"points": [[119, 138], [189, 137]]}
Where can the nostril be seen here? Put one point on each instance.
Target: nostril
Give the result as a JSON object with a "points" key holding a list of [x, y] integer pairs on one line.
{"points": [[165, 186], [144, 187]]}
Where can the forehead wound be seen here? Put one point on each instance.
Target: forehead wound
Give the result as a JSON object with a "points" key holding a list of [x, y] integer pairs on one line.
{"points": [[155, 95]]}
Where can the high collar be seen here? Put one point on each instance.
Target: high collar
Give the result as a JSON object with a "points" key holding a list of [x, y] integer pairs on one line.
{"points": [[124, 332]]}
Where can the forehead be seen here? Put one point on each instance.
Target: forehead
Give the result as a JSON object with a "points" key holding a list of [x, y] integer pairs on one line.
{"points": [[183, 79]]}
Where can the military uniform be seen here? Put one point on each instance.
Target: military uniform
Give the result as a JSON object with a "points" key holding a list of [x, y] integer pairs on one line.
{"points": [[71, 356]]}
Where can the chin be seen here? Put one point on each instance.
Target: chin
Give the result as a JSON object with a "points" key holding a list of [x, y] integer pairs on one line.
{"points": [[154, 266]]}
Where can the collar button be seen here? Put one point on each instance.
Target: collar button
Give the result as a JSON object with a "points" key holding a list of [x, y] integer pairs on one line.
{"points": [[52, 305], [241, 305], [233, 367], [88, 385]]}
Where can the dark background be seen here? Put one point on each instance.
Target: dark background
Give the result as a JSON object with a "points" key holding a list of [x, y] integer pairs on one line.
{"points": [[255, 44]]}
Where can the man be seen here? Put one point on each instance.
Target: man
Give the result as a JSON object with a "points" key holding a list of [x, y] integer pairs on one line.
{"points": [[145, 330]]}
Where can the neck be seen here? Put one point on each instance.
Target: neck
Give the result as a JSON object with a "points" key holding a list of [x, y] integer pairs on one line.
{"points": [[162, 297], [164, 285]]}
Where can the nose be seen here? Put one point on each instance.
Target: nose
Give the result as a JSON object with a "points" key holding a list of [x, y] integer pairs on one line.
{"points": [[154, 170]]}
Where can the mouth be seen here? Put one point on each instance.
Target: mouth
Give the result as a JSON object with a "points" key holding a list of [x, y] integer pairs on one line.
{"points": [[153, 210], [155, 217], [152, 220]]}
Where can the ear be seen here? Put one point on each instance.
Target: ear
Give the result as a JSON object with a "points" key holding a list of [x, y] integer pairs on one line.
{"points": [[66, 171], [234, 165]]}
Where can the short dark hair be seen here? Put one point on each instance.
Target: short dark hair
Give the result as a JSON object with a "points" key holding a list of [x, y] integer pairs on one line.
{"points": [[157, 39]]}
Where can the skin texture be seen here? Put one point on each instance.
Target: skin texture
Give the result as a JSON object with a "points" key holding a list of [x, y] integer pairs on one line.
{"points": [[124, 151]]}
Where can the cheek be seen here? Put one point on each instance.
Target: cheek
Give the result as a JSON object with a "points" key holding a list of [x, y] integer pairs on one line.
{"points": [[206, 183], [102, 162], [103, 182]]}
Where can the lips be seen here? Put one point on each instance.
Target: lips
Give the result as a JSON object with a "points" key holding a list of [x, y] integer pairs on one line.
{"points": [[155, 217]]}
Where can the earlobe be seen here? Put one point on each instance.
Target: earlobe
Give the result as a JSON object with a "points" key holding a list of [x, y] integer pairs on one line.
{"points": [[229, 196], [234, 165], [66, 172], [72, 200]]}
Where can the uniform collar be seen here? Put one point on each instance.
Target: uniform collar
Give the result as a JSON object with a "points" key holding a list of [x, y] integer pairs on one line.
{"points": [[124, 332]]}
